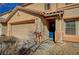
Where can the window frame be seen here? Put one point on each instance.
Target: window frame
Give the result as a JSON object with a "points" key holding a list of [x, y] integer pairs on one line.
{"points": [[71, 28]]}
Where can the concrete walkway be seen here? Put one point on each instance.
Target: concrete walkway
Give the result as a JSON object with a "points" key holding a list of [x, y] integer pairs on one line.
{"points": [[44, 48], [65, 48]]}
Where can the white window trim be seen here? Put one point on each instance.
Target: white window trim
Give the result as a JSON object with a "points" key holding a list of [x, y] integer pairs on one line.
{"points": [[65, 29]]}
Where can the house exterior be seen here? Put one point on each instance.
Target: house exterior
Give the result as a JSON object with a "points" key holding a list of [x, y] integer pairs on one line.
{"points": [[3, 21], [22, 23], [3, 24], [67, 27], [25, 15], [59, 18], [70, 22]]}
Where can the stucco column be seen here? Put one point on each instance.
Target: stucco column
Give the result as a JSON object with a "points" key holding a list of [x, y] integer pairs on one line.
{"points": [[46, 32], [59, 29], [45, 29], [0, 29], [9, 29]]}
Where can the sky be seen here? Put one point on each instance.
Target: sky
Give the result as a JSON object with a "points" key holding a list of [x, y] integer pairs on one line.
{"points": [[8, 6]]}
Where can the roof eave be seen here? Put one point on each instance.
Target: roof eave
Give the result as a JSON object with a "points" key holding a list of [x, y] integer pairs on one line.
{"points": [[34, 12]]}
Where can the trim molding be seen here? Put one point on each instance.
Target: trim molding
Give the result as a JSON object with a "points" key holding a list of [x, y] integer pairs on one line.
{"points": [[71, 6]]}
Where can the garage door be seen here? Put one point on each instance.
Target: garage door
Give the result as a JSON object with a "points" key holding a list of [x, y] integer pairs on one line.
{"points": [[23, 31]]}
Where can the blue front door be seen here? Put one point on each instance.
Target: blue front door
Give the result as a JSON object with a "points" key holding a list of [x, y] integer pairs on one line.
{"points": [[52, 30]]}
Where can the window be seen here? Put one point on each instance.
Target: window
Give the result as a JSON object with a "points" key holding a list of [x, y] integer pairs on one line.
{"points": [[47, 6], [70, 27]]}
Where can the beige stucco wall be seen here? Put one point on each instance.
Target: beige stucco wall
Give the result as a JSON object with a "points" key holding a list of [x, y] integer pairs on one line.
{"points": [[73, 38], [5, 15], [21, 16], [60, 5], [37, 6], [4, 29], [68, 14], [59, 29], [46, 30], [53, 6], [59, 24], [23, 31], [41, 6], [26, 31], [71, 13], [0, 28]]}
